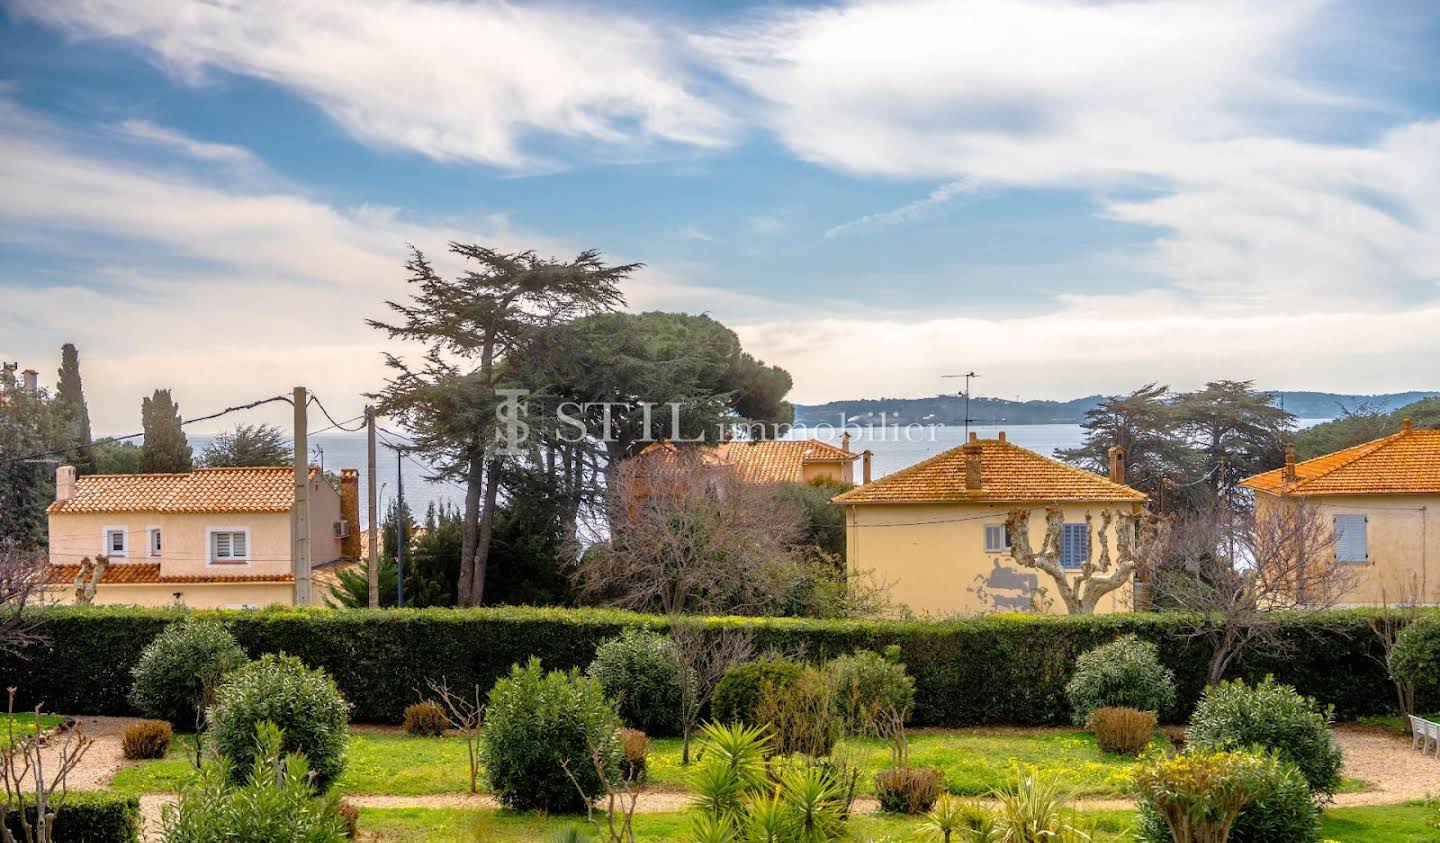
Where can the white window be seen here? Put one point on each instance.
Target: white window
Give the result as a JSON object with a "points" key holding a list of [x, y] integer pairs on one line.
{"points": [[1351, 539], [228, 545], [997, 538], [154, 541], [114, 542]]}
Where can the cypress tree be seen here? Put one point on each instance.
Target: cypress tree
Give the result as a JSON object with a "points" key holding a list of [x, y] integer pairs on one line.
{"points": [[71, 396], [165, 448]]}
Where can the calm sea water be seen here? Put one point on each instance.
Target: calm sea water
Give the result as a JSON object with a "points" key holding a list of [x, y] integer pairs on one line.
{"points": [[894, 447]]}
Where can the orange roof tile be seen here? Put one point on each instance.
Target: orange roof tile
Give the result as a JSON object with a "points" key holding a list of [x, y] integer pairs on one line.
{"points": [[768, 460], [147, 573], [1404, 463], [201, 490], [1008, 473]]}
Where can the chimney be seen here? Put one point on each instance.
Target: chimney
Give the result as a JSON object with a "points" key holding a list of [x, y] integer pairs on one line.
{"points": [[64, 483], [1001, 436], [974, 437], [7, 375], [1289, 462], [1407, 425], [31, 380], [865, 463], [845, 441], [350, 511], [972, 452], [1117, 465]]}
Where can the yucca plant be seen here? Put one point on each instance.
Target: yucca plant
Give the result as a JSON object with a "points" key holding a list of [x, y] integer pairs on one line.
{"points": [[708, 828], [814, 802], [768, 819], [955, 820], [737, 746], [1036, 809]]}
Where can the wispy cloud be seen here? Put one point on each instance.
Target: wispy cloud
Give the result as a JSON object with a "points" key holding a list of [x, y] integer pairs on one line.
{"points": [[915, 211], [224, 153], [691, 231]]}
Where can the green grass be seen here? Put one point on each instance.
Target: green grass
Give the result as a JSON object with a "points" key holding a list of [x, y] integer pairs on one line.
{"points": [[25, 725]]}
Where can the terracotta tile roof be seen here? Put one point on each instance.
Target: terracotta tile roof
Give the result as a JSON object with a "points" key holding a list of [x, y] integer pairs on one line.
{"points": [[767, 461], [1404, 463], [201, 490], [146, 573], [1008, 473]]}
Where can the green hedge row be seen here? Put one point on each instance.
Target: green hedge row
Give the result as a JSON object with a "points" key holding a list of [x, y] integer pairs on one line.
{"points": [[1001, 669], [90, 817]]}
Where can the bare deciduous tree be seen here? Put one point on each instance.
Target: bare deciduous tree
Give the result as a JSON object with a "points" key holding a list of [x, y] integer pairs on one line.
{"points": [[466, 714], [1082, 587], [29, 786], [1399, 608], [622, 795], [89, 578], [1235, 571], [702, 659], [22, 585]]}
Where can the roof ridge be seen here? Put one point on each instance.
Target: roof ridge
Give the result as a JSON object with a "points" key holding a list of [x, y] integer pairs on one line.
{"points": [[902, 473], [1360, 452]]}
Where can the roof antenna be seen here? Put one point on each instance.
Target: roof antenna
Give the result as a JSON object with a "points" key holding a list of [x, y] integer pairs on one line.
{"points": [[967, 376]]}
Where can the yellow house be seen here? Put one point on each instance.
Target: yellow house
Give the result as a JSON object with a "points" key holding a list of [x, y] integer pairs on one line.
{"points": [[1378, 498], [209, 538], [936, 531], [780, 460]]}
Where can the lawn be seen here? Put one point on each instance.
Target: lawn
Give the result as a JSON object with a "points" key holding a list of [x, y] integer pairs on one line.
{"points": [[24, 723], [974, 763]]}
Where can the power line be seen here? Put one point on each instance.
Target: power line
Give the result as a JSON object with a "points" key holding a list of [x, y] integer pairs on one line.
{"points": [[315, 399]]}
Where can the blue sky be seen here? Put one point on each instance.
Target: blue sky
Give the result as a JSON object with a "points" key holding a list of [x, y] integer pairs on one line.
{"points": [[1066, 196]]}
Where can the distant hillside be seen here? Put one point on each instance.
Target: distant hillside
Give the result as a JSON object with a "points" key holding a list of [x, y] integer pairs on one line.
{"points": [[950, 409]]}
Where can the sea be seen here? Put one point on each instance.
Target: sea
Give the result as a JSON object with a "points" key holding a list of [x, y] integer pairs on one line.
{"points": [[894, 448]]}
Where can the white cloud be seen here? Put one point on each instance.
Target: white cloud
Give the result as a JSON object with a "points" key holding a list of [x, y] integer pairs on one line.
{"points": [[472, 81], [222, 153], [910, 212]]}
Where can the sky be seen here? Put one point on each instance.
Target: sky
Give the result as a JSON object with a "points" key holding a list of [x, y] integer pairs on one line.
{"points": [[1066, 197]]}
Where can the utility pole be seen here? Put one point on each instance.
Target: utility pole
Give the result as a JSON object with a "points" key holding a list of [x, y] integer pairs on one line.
{"points": [[400, 520], [967, 376], [374, 510], [300, 515]]}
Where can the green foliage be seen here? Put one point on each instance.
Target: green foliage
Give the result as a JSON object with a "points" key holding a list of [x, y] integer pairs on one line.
{"points": [[1271, 716], [352, 584], [1126, 672], [868, 686], [426, 719], [825, 521], [1357, 425], [248, 445], [303, 703], [908, 790], [802, 713], [1266, 797], [116, 457], [31, 425], [737, 695], [1416, 655], [528, 552], [539, 724], [639, 670], [70, 395], [273, 804], [90, 817], [165, 448], [1036, 809], [147, 739], [1123, 731], [179, 670]]}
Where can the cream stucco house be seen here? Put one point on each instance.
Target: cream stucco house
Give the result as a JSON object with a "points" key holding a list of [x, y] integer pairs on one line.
{"points": [[212, 537], [936, 531], [1378, 497]]}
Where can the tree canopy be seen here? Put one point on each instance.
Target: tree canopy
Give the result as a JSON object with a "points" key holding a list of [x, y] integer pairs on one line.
{"points": [[1361, 424], [70, 395], [165, 449], [248, 445]]}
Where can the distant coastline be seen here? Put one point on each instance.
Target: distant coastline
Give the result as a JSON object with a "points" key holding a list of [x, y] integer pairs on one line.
{"points": [[950, 409]]}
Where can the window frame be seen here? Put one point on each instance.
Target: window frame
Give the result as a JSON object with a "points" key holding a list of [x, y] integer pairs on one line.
{"points": [[1005, 534], [1364, 532], [213, 559], [154, 542], [106, 533]]}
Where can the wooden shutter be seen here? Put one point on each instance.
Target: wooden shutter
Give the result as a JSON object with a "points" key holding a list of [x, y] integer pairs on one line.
{"points": [[1074, 545], [1351, 540]]}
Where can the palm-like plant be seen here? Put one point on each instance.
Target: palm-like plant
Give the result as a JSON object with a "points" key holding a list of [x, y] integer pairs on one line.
{"points": [[810, 794], [1036, 809]]}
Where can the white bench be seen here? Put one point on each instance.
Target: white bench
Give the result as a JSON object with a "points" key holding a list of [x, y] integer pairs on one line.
{"points": [[1424, 735]]}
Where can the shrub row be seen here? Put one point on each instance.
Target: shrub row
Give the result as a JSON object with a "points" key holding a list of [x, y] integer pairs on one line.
{"points": [[90, 817], [996, 669]]}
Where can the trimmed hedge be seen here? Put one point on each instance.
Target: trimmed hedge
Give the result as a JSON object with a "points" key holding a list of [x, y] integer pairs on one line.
{"points": [[91, 817], [1008, 669]]}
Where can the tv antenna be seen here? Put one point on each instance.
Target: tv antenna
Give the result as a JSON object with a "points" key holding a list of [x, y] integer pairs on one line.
{"points": [[967, 376]]}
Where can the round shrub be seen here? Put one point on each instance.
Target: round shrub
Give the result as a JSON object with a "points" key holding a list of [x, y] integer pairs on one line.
{"points": [[538, 723], [303, 703], [146, 739], [183, 665], [638, 670], [1234, 715], [1416, 655], [1283, 812], [1122, 731], [1125, 673], [426, 719], [738, 693], [908, 790], [868, 686]]}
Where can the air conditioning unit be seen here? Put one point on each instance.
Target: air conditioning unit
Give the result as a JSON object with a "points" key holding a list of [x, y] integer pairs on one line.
{"points": [[342, 529]]}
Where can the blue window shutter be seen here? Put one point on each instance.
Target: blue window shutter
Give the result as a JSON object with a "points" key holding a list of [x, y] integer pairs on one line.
{"points": [[1074, 545], [1351, 539]]}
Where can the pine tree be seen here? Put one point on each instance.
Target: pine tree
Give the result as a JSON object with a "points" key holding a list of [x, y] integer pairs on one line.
{"points": [[165, 448], [70, 394]]}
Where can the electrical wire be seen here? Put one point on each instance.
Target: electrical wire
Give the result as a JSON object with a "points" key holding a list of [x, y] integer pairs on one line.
{"points": [[315, 399]]}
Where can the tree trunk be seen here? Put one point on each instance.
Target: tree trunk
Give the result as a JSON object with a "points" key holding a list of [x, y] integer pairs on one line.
{"points": [[470, 533], [487, 530]]}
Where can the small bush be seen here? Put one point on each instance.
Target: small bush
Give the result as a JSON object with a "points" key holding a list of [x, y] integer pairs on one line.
{"points": [[802, 715], [1416, 654], [1123, 731], [181, 667], [1277, 806], [350, 816], [539, 723], [638, 670], [868, 686], [426, 719], [1127, 673], [303, 703], [1272, 716], [633, 747], [908, 790], [146, 739], [738, 693]]}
